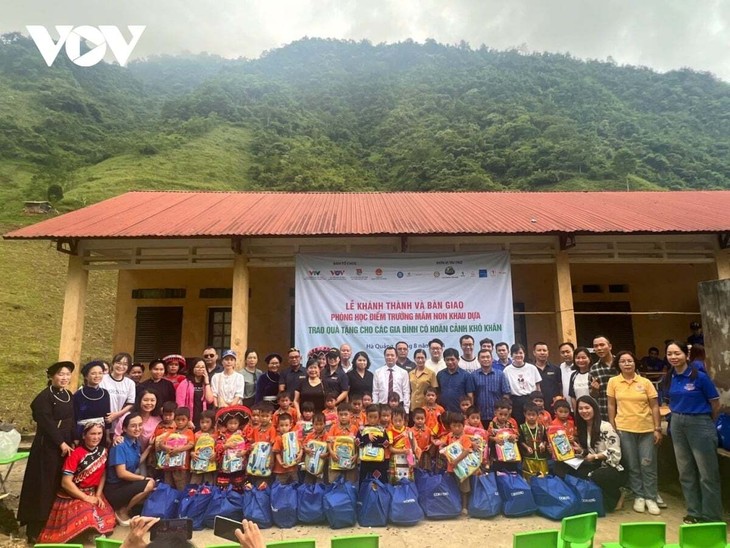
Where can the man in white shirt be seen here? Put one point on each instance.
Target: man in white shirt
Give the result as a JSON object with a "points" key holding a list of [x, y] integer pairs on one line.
{"points": [[391, 378], [345, 354], [436, 362], [468, 360], [566, 368]]}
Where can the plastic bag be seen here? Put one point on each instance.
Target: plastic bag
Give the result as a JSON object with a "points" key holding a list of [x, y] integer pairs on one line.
{"points": [[590, 496], [162, 503], [485, 501], [723, 431], [223, 502], [310, 499], [404, 507], [554, 498], [340, 504], [517, 499], [373, 504], [438, 495], [284, 504], [9, 441], [194, 504], [257, 506]]}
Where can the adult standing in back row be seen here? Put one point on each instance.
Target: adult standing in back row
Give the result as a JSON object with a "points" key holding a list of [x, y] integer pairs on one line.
{"points": [[602, 371], [122, 390], [551, 384], [454, 382], [523, 379]]}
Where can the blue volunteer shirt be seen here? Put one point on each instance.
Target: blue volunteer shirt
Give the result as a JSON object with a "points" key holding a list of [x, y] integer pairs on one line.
{"points": [[453, 386], [691, 397], [126, 453]]}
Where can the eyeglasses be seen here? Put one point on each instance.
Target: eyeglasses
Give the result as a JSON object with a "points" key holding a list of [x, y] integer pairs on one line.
{"points": [[209, 355]]}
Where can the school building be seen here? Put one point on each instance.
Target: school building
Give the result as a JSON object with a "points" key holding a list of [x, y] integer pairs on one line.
{"points": [[198, 268]]}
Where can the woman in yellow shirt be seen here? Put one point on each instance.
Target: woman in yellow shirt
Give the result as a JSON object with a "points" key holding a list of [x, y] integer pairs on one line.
{"points": [[633, 410]]}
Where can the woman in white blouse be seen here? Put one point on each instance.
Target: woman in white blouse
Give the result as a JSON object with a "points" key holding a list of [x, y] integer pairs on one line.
{"points": [[227, 387], [601, 454]]}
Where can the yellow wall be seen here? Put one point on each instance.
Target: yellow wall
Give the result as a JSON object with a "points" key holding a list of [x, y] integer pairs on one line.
{"points": [[651, 288], [269, 317]]}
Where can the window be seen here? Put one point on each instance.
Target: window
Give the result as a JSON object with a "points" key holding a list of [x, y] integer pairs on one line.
{"points": [[216, 293], [159, 293], [219, 329], [158, 332]]}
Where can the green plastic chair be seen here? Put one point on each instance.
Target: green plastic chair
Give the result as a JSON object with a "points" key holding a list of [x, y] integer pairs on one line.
{"points": [[578, 531], [647, 534], [535, 539], [108, 543], [702, 535], [299, 543], [355, 541]]}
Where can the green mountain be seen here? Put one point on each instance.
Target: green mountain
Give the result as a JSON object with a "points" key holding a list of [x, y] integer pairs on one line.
{"points": [[342, 115]]}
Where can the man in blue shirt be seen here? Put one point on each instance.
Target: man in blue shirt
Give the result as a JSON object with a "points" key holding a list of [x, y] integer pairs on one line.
{"points": [[490, 386], [454, 382]]}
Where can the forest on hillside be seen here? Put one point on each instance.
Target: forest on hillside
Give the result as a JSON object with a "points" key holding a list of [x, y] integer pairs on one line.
{"points": [[342, 115]]}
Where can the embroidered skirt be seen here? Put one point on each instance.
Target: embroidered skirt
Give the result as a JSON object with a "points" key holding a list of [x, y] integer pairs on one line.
{"points": [[70, 517]]}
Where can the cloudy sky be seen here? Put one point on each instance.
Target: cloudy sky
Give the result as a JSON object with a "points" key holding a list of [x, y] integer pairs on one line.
{"points": [[662, 34]]}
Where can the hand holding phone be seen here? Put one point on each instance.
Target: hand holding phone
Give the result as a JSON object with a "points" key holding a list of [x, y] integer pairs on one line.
{"points": [[172, 528]]}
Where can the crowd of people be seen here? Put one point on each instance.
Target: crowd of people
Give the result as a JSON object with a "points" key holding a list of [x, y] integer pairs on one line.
{"points": [[197, 420]]}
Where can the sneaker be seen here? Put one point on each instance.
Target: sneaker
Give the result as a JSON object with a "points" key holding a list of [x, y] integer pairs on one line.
{"points": [[652, 508], [660, 501], [639, 505]]}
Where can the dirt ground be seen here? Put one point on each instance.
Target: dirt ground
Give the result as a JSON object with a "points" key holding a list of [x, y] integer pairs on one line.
{"points": [[464, 531]]}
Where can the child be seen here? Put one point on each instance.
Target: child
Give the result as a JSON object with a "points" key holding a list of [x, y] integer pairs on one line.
{"points": [[282, 472], [202, 459], [343, 458], [304, 426], [422, 439], [478, 435], [464, 404], [367, 401], [433, 411], [394, 400], [373, 441], [503, 428], [358, 415], [456, 427], [176, 445], [285, 406], [330, 409], [401, 446], [162, 430], [386, 414], [265, 433], [318, 434], [543, 416], [563, 421], [231, 448], [253, 424], [534, 443]]}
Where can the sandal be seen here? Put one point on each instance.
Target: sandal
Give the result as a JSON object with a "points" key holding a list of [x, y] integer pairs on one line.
{"points": [[690, 520]]}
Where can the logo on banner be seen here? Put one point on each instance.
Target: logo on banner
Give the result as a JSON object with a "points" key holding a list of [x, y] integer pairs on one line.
{"points": [[337, 273], [358, 271], [449, 271], [313, 273], [400, 274], [483, 273], [98, 38], [436, 274], [378, 272]]}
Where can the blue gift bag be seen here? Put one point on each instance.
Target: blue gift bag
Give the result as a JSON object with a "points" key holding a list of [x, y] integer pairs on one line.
{"points": [[373, 504], [485, 501], [517, 499], [438, 495], [310, 504], [223, 502], [723, 431], [404, 507], [162, 503], [257, 506], [194, 504], [340, 504], [554, 498], [589, 495], [284, 504]]}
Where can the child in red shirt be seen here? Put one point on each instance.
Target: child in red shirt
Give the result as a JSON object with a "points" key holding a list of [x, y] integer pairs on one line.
{"points": [[503, 425], [433, 411], [342, 428], [422, 438], [285, 406], [318, 434]]}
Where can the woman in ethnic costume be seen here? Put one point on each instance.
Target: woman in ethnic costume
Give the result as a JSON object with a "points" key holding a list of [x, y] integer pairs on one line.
{"points": [[80, 504], [53, 413], [91, 401]]}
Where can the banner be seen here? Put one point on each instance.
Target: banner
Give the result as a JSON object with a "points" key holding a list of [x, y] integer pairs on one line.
{"points": [[373, 302]]}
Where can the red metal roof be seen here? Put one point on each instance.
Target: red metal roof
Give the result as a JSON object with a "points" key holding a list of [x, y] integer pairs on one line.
{"points": [[226, 214]]}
